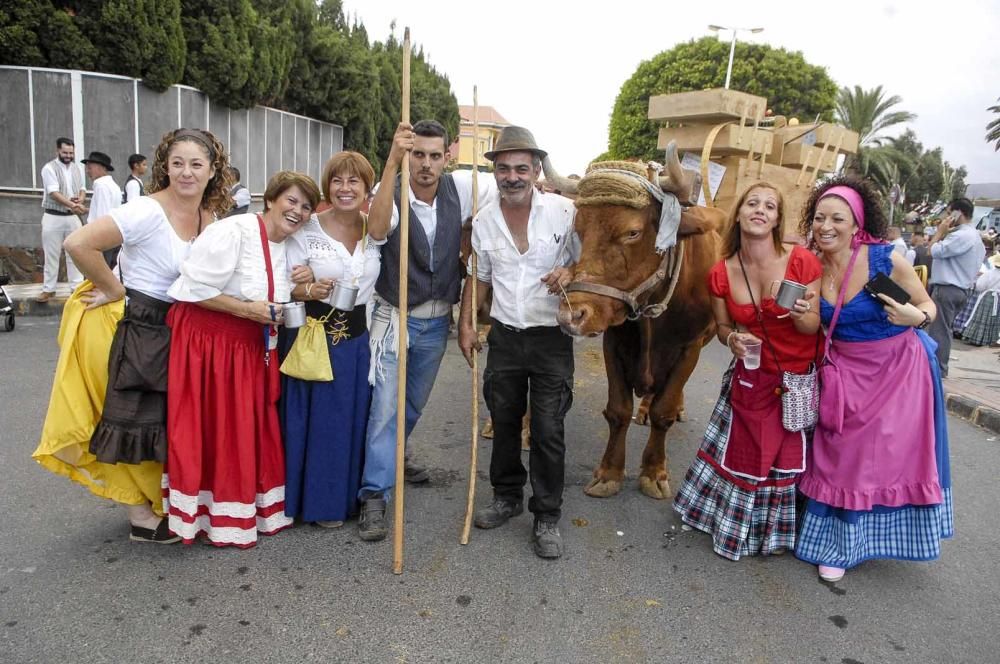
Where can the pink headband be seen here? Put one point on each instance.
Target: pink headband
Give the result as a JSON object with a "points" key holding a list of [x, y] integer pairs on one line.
{"points": [[853, 199]]}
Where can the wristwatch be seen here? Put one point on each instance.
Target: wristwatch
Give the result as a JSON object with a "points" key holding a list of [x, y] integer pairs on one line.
{"points": [[927, 321]]}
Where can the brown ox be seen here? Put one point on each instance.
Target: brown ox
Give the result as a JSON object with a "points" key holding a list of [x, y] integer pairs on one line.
{"points": [[651, 356]]}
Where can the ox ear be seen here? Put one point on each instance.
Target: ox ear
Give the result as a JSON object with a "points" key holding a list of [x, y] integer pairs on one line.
{"points": [[683, 183], [670, 221]]}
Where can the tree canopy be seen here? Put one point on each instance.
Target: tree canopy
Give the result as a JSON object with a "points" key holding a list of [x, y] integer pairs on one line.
{"points": [[993, 128], [792, 87], [296, 55]]}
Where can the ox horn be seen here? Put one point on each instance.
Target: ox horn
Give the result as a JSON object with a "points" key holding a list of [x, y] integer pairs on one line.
{"points": [[681, 182], [556, 181]]}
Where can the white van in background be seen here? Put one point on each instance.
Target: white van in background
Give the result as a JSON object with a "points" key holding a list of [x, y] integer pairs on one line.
{"points": [[986, 219]]}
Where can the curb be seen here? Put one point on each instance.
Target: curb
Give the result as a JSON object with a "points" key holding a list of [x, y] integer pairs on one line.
{"points": [[973, 411], [28, 307]]}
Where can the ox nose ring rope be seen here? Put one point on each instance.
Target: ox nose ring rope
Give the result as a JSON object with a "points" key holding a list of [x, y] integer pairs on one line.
{"points": [[569, 305]]}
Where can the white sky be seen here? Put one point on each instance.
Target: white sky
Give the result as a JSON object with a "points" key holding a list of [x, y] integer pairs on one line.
{"points": [[556, 67]]}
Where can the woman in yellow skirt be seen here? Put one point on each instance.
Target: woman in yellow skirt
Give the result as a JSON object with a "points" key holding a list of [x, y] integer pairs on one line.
{"points": [[106, 423], [77, 402]]}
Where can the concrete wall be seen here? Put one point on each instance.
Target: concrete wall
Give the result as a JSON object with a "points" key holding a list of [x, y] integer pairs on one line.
{"points": [[120, 116]]}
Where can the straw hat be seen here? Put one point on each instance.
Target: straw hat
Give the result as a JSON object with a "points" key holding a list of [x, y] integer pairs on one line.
{"points": [[515, 139]]}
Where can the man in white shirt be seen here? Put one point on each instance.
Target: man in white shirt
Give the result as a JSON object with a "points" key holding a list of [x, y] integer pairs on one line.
{"points": [[62, 200], [107, 195], [438, 204], [958, 252], [134, 188], [240, 195], [895, 237], [521, 248]]}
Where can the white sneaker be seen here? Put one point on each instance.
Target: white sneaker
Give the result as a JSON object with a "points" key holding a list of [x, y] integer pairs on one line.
{"points": [[831, 574]]}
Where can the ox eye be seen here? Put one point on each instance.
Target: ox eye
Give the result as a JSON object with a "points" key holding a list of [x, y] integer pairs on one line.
{"points": [[633, 235]]}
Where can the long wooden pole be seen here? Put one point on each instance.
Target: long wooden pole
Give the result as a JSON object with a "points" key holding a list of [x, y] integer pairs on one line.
{"points": [[404, 268], [471, 499]]}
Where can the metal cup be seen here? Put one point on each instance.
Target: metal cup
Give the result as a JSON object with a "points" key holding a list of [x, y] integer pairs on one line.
{"points": [[294, 314], [344, 296], [788, 292]]}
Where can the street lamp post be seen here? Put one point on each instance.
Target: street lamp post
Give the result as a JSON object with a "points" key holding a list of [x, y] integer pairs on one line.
{"points": [[732, 45]]}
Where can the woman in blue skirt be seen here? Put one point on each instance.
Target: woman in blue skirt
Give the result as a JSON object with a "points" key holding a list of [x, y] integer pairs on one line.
{"points": [[324, 423]]}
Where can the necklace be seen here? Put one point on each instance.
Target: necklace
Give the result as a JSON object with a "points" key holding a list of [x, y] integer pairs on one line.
{"points": [[832, 277]]}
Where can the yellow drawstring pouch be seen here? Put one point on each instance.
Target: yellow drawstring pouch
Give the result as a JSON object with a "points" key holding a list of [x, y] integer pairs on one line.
{"points": [[309, 356]]}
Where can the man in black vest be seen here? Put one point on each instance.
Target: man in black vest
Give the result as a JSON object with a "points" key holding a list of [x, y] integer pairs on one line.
{"points": [[133, 187], [438, 204]]}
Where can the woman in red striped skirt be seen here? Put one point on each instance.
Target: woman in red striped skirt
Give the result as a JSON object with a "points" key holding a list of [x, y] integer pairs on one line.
{"points": [[225, 473]]}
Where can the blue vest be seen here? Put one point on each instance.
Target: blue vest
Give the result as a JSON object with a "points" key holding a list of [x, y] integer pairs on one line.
{"points": [[440, 280]]}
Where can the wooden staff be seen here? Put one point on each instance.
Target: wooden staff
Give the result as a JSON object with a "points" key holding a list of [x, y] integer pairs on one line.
{"points": [[404, 268], [470, 501]]}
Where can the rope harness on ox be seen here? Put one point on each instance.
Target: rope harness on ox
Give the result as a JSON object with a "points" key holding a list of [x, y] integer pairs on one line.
{"points": [[613, 183]]}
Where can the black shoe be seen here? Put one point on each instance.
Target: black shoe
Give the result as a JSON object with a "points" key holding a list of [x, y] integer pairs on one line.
{"points": [[414, 474], [498, 513], [548, 541], [371, 523], [160, 535]]}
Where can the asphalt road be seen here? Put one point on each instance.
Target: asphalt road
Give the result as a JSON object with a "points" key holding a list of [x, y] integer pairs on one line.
{"points": [[632, 586]]}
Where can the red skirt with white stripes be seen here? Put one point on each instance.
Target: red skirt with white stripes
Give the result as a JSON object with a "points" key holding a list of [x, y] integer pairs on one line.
{"points": [[225, 471]]}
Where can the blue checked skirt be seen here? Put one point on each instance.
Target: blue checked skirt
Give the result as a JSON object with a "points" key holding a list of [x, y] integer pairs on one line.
{"points": [[964, 314], [744, 517], [845, 538], [983, 328]]}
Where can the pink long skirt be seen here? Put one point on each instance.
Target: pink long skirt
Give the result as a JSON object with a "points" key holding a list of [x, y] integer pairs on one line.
{"points": [[885, 454]]}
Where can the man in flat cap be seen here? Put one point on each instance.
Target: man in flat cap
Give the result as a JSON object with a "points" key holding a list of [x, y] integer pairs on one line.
{"points": [[521, 245]]}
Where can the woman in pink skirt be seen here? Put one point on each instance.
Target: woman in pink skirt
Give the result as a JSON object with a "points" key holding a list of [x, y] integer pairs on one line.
{"points": [[877, 475], [225, 473]]}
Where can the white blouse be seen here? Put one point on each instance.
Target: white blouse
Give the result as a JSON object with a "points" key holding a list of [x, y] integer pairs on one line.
{"points": [[329, 258], [152, 252], [228, 259]]}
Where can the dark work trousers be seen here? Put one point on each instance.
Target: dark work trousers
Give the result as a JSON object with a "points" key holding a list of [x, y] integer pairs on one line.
{"points": [[535, 362], [949, 301]]}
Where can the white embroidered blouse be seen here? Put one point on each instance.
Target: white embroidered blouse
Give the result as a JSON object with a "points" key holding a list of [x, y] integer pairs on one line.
{"points": [[228, 259]]}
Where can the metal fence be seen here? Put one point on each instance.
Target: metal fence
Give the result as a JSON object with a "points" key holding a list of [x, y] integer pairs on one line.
{"points": [[120, 116]]}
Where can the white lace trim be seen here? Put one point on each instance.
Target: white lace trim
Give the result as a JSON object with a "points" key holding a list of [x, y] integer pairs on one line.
{"points": [[228, 534], [189, 505]]}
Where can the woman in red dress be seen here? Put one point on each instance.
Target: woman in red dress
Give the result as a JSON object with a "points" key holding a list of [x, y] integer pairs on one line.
{"points": [[225, 473], [741, 487]]}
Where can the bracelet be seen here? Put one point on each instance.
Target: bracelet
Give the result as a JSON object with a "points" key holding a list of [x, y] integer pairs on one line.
{"points": [[309, 288], [925, 322], [729, 339]]}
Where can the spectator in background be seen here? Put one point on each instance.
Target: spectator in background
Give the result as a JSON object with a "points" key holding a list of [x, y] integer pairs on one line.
{"points": [[239, 194], [895, 237], [984, 323], [922, 253], [107, 196], [958, 252], [134, 188], [62, 200]]}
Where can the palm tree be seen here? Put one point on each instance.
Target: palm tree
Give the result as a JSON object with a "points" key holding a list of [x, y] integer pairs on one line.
{"points": [[868, 112], [993, 128]]}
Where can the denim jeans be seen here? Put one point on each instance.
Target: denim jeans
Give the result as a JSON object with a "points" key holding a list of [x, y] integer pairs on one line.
{"points": [[428, 338]]}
